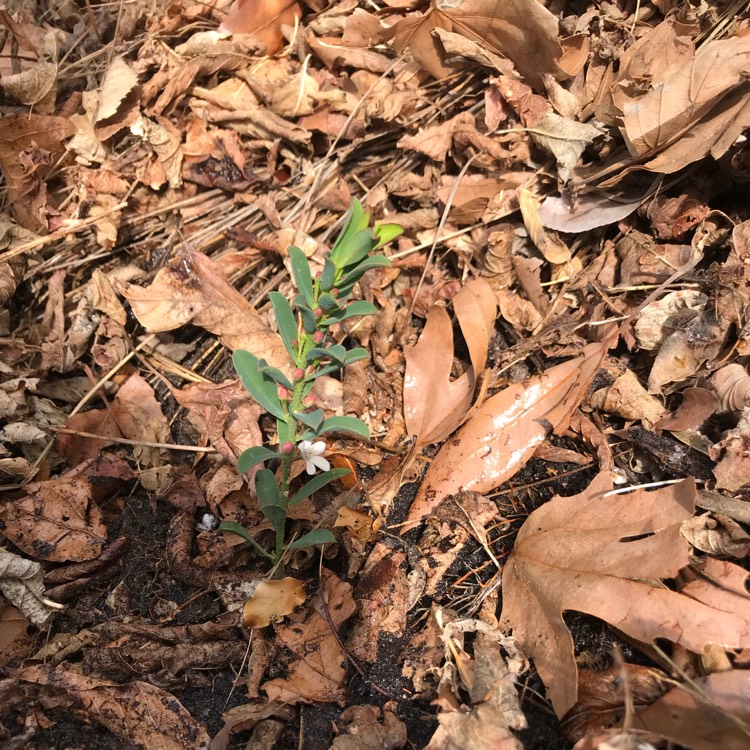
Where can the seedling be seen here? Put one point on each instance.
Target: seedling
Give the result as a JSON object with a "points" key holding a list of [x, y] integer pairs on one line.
{"points": [[304, 326]]}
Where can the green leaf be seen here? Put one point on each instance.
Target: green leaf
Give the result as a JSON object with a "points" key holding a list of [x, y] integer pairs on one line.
{"points": [[328, 302], [355, 355], [270, 499], [356, 273], [385, 233], [312, 419], [232, 527], [355, 221], [277, 376], [352, 310], [284, 432], [336, 352], [257, 384], [309, 321], [253, 456], [319, 536], [302, 275], [329, 275], [318, 482], [285, 320], [356, 249], [345, 424], [333, 367]]}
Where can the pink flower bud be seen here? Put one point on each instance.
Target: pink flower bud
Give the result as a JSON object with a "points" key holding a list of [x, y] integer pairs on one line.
{"points": [[335, 292], [318, 336], [318, 274], [318, 313], [295, 342], [287, 448], [309, 400], [282, 393], [298, 373]]}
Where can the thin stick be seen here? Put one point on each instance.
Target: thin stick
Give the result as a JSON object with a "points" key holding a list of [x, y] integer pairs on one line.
{"points": [[143, 443]]}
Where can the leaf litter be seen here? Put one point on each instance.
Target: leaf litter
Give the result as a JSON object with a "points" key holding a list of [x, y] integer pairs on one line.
{"points": [[557, 170]]}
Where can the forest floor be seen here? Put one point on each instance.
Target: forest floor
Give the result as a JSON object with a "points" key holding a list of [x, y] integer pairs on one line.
{"points": [[543, 544]]}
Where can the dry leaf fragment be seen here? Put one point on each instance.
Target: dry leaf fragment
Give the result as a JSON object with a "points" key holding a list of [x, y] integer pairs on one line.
{"points": [[138, 713], [273, 600], [732, 386], [718, 535], [435, 405], [522, 30], [592, 554], [504, 433], [369, 728], [119, 80], [22, 584], [192, 290], [263, 19], [589, 212]]}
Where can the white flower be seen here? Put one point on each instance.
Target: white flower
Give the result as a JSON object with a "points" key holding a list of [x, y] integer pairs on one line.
{"points": [[208, 523], [312, 455]]}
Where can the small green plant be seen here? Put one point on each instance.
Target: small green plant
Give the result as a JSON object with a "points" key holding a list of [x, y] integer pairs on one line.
{"points": [[321, 302]]}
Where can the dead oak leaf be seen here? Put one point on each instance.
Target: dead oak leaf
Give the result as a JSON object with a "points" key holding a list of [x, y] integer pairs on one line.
{"points": [[191, 289], [138, 713], [522, 30], [592, 554]]}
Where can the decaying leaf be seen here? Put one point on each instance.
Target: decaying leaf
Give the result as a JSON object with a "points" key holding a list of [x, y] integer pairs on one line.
{"points": [[263, 19], [594, 554], [504, 433], [22, 584], [732, 386], [369, 728], [192, 290], [273, 600], [718, 535], [435, 405], [522, 30], [136, 712]]}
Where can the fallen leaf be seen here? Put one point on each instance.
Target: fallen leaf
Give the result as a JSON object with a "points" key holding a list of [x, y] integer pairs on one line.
{"points": [[22, 584], [263, 19], [318, 664], [733, 454], [592, 554], [191, 290], [732, 386], [504, 433], [521, 30], [589, 212], [696, 407], [719, 535], [137, 713], [626, 397], [370, 728], [708, 713], [271, 601], [118, 82]]}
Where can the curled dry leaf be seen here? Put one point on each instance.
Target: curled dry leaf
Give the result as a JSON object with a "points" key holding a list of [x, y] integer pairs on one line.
{"points": [[733, 470], [192, 290], [627, 398], [271, 601], [22, 584], [369, 728], [718, 535], [732, 386], [592, 554], [137, 713], [263, 19], [506, 430], [696, 407], [435, 405]]}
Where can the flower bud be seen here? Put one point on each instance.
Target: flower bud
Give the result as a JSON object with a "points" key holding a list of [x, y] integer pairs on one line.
{"points": [[309, 400], [318, 313], [295, 342], [318, 336], [298, 373], [287, 448], [335, 292], [318, 274], [282, 393]]}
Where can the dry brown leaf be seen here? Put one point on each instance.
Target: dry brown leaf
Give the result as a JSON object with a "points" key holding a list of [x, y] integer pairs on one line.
{"points": [[138, 713], [191, 290], [590, 211], [552, 248], [35, 87], [263, 19], [708, 713], [435, 405], [22, 584], [686, 95], [733, 453], [522, 30], [318, 666], [696, 407], [271, 601], [719, 535], [119, 81], [504, 433], [732, 386], [591, 554], [369, 728], [627, 398]]}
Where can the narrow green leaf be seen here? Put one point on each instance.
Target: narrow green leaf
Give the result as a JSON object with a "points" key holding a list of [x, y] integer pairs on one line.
{"points": [[352, 310], [328, 276], [257, 384], [385, 233], [318, 482], [284, 432], [253, 456], [356, 248], [345, 424], [232, 527], [355, 221], [285, 320], [311, 419], [358, 271], [269, 498], [355, 355], [336, 352], [328, 302], [277, 376], [302, 276], [319, 536], [326, 369], [309, 321]]}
